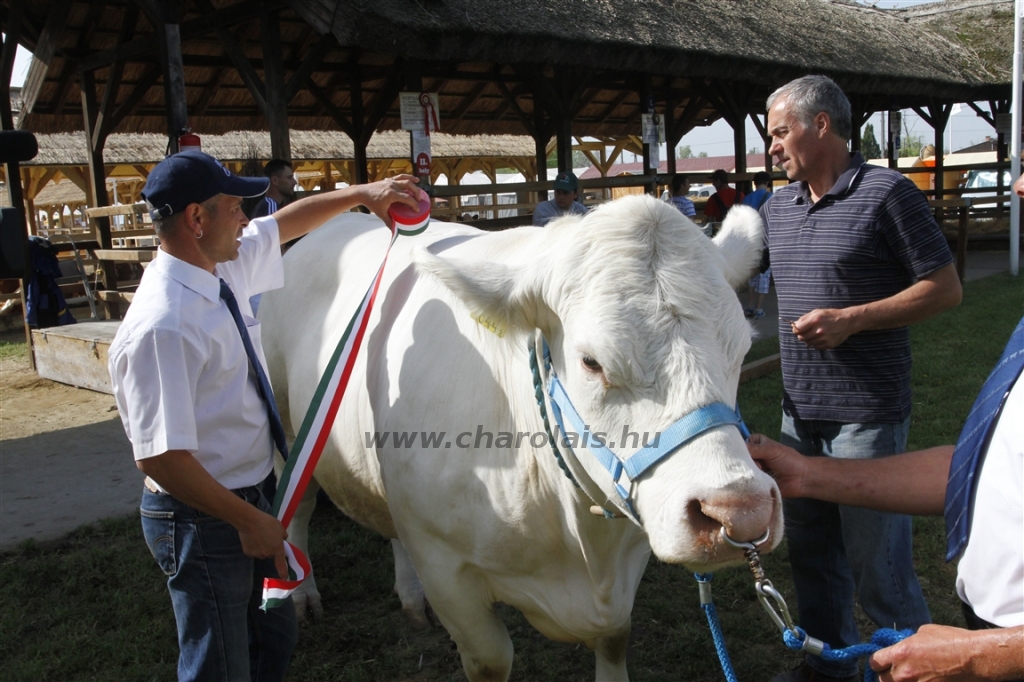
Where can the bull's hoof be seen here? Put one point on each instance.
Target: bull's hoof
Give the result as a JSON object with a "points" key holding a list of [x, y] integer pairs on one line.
{"points": [[308, 607], [417, 617]]}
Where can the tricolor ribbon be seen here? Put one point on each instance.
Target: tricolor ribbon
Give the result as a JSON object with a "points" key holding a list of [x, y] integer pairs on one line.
{"points": [[316, 427]]}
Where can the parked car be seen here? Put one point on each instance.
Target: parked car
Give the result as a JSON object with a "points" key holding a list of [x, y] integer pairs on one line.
{"points": [[983, 179], [701, 191]]}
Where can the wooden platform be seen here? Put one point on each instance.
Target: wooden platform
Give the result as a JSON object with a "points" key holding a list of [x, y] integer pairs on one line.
{"points": [[76, 354]]}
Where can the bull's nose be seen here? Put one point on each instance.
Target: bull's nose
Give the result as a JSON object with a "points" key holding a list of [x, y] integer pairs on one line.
{"points": [[744, 517]]}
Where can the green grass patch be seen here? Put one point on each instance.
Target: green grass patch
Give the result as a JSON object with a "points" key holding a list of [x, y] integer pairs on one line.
{"points": [[94, 605], [13, 345], [762, 348]]}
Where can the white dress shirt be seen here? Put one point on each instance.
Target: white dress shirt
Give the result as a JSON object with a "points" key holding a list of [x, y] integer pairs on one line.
{"points": [[180, 374], [990, 575]]}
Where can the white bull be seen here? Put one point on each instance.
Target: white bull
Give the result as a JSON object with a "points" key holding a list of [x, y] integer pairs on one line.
{"points": [[639, 312]]}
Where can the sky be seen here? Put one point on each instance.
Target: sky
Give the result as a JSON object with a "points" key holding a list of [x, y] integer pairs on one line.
{"points": [[717, 139]]}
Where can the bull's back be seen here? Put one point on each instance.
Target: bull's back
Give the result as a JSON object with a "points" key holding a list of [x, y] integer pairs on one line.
{"points": [[327, 274]]}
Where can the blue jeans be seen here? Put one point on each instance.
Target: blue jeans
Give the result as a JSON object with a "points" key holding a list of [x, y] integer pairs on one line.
{"points": [[216, 592], [836, 550]]}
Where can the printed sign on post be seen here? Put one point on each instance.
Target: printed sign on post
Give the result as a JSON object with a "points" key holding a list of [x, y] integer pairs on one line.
{"points": [[418, 109], [653, 131], [421, 158]]}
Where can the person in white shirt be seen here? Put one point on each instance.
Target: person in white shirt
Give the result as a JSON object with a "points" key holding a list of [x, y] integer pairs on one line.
{"points": [[190, 402]]}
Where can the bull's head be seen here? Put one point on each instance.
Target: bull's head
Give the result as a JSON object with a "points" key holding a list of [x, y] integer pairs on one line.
{"points": [[644, 326]]}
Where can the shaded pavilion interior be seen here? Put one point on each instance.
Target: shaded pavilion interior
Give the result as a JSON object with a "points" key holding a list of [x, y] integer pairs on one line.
{"points": [[552, 71]]}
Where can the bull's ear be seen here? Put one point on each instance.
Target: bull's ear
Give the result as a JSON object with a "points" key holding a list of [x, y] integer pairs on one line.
{"points": [[500, 295], [740, 242]]}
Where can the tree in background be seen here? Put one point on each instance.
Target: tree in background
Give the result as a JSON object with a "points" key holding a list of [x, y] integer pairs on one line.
{"points": [[869, 146], [912, 145], [702, 155], [684, 152], [579, 160]]}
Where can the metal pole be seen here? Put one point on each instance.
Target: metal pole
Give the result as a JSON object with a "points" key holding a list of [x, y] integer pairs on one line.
{"points": [[1015, 139]]}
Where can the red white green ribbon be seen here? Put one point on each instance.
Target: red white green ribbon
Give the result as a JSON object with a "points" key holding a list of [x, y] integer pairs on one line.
{"points": [[316, 427]]}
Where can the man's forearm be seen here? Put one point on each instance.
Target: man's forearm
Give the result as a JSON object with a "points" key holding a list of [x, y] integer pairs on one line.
{"points": [[927, 297], [910, 483], [181, 475]]}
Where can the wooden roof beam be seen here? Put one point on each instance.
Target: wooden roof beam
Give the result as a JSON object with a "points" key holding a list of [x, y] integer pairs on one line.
{"points": [[334, 112], [144, 46], [300, 76], [613, 105], [209, 90], [513, 104], [113, 85], [84, 38]]}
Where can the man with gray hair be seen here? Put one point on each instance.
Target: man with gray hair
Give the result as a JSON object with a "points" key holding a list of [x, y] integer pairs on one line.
{"points": [[856, 256]]}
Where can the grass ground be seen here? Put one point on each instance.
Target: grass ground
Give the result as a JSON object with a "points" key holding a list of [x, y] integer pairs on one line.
{"points": [[93, 605]]}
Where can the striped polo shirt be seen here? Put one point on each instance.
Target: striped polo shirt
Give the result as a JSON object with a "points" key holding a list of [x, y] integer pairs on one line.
{"points": [[867, 239]]}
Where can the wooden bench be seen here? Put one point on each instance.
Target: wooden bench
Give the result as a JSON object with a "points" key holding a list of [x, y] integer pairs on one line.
{"points": [[963, 206]]}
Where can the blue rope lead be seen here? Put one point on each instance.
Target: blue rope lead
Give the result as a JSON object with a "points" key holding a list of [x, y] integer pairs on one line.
{"points": [[706, 603], [883, 637]]}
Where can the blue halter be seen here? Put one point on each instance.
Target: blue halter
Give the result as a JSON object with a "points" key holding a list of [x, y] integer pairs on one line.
{"points": [[676, 435]]}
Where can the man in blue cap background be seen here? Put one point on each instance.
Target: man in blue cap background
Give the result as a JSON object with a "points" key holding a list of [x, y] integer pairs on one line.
{"points": [[189, 379], [567, 187]]}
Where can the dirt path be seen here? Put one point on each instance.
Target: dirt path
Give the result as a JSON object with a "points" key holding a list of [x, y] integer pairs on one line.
{"points": [[64, 458]]}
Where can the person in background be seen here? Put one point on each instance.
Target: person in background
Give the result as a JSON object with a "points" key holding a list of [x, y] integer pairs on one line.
{"points": [[761, 191], [856, 257], [757, 288], [281, 191], [680, 188], [567, 187], [724, 198], [188, 376]]}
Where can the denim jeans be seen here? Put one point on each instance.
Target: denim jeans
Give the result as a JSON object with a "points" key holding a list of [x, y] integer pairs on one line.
{"points": [[216, 592], [837, 550]]}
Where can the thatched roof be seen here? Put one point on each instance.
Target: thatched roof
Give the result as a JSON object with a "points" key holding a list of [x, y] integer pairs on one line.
{"points": [[69, 149], [746, 41], [502, 66], [982, 26]]}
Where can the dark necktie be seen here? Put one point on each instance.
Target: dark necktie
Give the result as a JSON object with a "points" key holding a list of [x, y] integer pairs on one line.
{"points": [[262, 383], [973, 439]]}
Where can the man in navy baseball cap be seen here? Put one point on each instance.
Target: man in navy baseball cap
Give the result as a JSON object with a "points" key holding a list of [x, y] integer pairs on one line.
{"points": [[192, 177], [190, 383], [566, 188]]}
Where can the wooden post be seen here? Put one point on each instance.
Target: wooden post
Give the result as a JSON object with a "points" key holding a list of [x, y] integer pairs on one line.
{"points": [[273, 77], [7, 54], [540, 141], [890, 145], [169, 40], [95, 140], [647, 107]]}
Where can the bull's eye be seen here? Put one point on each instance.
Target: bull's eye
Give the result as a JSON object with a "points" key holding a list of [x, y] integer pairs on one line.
{"points": [[591, 364]]}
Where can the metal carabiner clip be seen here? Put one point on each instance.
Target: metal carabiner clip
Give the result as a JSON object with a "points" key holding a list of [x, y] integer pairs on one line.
{"points": [[774, 603]]}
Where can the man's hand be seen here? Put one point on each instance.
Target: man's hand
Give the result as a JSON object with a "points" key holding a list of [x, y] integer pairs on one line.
{"points": [[938, 653], [784, 464], [378, 196], [824, 328], [263, 536]]}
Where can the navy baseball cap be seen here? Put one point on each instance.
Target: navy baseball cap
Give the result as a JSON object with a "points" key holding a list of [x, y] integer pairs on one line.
{"points": [[567, 181], [192, 177]]}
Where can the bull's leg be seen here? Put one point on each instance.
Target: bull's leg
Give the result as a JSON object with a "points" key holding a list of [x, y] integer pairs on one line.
{"points": [[408, 587], [610, 652], [484, 645], [306, 597]]}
